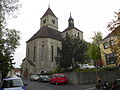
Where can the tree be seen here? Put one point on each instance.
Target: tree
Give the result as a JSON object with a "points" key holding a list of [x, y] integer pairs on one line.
{"points": [[94, 50], [114, 26], [97, 38], [9, 38], [72, 52]]}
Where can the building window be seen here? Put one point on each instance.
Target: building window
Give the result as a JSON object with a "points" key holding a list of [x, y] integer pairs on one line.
{"points": [[66, 34], [75, 35], [110, 58], [43, 53], [58, 51], [28, 53], [106, 45], [44, 21], [53, 21], [34, 53], [112, 42], [52, 53], [78, 35]]}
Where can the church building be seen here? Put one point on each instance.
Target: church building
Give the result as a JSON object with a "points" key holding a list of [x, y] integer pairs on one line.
{"points": [[42, 47]]}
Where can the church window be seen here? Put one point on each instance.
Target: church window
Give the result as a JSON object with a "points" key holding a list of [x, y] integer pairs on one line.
{"points": [[43, 52], [52, 53], [34, 53], [75, 35], [66, 34], [44, 21], [28, 54], [78, 35], [58, 51], [53, 21]]}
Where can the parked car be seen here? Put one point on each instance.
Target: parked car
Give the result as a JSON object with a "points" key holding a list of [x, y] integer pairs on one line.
{"points": [[12, 84], [85, 66], [58, 79], [34, 77], [116, 85], [43, 78]]}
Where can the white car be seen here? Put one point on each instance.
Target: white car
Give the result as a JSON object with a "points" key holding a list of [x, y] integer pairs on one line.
{"points": [[85, 66], [34, 77], [12, 84]]}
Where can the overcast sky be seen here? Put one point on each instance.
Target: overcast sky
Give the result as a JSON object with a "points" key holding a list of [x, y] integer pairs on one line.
{"points": [[88, 15]]}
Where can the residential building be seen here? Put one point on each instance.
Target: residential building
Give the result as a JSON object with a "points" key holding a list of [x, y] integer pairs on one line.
{"points": [[42, 47], [109, 55]]}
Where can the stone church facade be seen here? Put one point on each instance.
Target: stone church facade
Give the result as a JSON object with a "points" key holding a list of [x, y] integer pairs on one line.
{"points": [[42, 47]]}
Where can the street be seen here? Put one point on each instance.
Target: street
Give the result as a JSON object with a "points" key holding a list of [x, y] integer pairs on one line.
{"points": [[46, 86]]}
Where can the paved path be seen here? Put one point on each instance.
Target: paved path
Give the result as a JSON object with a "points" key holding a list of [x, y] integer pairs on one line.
{"points": [[47, 86]]}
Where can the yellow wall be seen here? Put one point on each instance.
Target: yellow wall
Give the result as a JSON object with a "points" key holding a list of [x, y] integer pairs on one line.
{"points": [[108, 50]]}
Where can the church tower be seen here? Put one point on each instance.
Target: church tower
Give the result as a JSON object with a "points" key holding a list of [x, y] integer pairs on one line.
{"points": [[70, 22], [49, 19], [71, 30]]}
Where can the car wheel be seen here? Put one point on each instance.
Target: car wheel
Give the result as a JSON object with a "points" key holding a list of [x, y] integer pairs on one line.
{"points": [[50, 82], [56, 83]]}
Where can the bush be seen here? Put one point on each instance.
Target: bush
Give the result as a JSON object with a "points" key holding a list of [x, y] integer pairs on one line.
{"points": [[109, 69], [57, 70]]}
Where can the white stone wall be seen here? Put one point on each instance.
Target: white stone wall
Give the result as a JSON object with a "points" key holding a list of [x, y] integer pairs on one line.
{"points": [[73, 32], [47, 64], [49, 22]]}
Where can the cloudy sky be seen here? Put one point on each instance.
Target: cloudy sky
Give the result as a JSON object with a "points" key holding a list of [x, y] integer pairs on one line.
{"points": [[88, 15]]}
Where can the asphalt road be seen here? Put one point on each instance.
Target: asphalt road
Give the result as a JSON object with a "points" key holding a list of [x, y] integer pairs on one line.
{"points": [[46, 86]]}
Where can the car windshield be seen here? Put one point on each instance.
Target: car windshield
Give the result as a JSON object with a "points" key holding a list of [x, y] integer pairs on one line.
{"points": [[45, 77], [60, 75], [35, 76], [12, 83]]}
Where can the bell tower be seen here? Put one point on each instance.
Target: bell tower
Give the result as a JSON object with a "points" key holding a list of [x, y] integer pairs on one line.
{"points": [[70, 22], [49, 19]]}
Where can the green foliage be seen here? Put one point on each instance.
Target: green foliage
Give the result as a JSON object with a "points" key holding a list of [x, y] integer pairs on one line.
{"points": [[73, 50], [109, 69], [94, 52], [84, 70], [97, 38], [57, 70], [9, 38]]}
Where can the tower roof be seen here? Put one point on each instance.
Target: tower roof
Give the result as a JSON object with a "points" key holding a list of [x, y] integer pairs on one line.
{"points": [[49, 12], [70, 18]]}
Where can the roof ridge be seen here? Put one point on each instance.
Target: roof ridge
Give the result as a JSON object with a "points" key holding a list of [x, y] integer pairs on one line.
{"points": [[46, 32], [49, 12]]}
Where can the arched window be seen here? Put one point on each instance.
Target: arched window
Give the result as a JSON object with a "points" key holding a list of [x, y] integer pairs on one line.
{"points": [[44, 21], [34, 53], [28, 54], [52, 53], [43, 53], [78, 35], [53, 21], [66, 34]]}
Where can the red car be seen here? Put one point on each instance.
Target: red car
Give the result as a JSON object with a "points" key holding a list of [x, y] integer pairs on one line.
{"points": [[58, 79]]}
